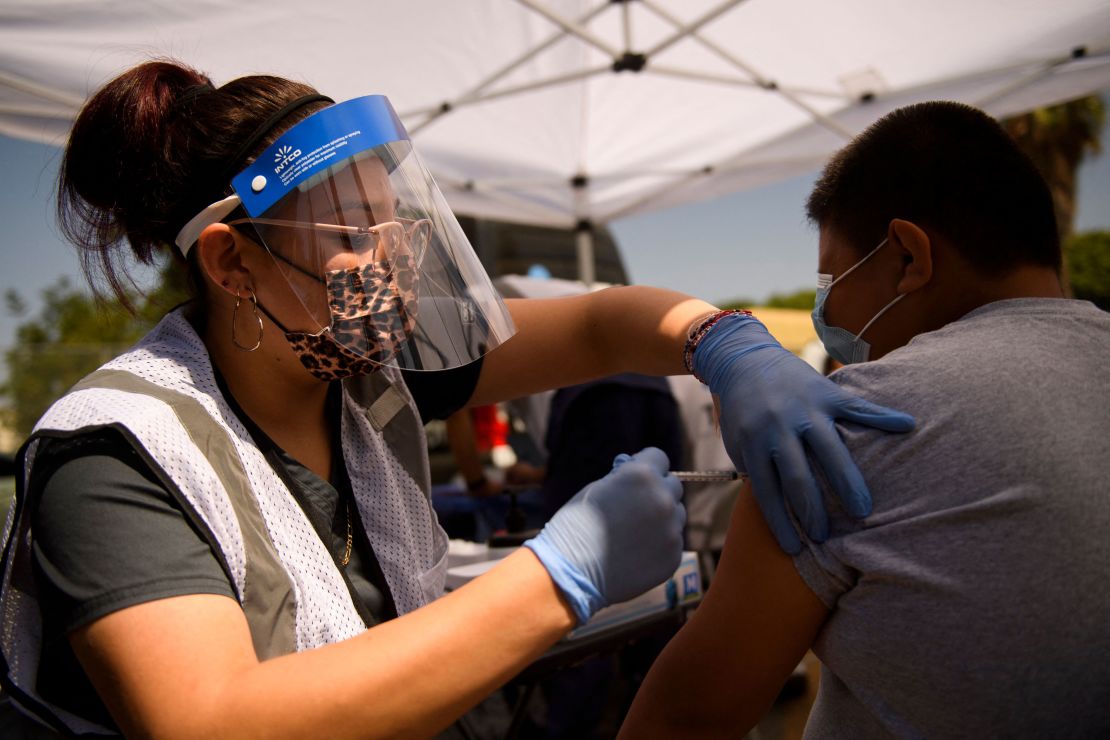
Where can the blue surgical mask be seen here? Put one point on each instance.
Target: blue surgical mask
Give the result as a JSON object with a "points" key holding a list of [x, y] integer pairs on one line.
{"points": [[841, 344]]}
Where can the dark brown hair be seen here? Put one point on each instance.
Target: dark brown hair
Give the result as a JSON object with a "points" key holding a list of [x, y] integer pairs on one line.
{"points": [[149, 150], [948, 167]]}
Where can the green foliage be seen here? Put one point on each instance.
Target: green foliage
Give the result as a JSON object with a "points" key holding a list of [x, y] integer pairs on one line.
{"points": [[801, 299], [72, 336], [7, 495], [1088, 261], [1056, 139], [736, 303]]}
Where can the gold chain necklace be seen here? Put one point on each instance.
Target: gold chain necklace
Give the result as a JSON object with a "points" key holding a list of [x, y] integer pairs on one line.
{"points": [[350, 538]]}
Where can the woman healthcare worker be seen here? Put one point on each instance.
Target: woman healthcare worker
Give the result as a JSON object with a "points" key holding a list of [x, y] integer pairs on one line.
{"points": [[226, 530]]}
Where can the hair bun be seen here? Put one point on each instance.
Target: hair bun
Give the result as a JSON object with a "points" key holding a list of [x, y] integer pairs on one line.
{"points": [[116, 158], [149, 149]]}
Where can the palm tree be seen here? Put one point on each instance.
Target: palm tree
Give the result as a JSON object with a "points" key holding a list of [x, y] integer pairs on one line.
{"points": [[1056, 139]]}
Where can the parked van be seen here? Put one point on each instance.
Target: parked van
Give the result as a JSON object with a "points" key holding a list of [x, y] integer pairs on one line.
{"points": [[512, 249]]}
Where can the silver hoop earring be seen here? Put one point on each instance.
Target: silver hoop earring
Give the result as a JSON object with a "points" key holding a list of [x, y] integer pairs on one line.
{"points": [[234, 316]]}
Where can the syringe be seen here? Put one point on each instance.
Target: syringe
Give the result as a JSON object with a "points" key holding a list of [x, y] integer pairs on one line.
{"points": [[706, 476]]}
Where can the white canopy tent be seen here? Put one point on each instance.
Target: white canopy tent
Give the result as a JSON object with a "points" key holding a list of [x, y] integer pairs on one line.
{"points": [[577, 112]]}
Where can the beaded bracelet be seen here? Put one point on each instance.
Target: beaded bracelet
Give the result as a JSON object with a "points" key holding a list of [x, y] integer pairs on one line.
{"points": [[698, 330]]}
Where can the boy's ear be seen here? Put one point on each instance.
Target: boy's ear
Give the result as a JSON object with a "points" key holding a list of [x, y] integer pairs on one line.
{"points": [[916, 249]]}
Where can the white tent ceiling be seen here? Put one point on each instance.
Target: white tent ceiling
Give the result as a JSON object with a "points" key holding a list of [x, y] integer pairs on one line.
{"points": [[517, 105]]}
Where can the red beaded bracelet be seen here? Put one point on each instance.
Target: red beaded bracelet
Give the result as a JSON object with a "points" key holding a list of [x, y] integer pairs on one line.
{"points": [[698, 330]]}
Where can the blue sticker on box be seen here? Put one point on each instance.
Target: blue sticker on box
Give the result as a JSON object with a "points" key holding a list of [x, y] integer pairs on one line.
{"points": [[324, 138], [691, 585]]}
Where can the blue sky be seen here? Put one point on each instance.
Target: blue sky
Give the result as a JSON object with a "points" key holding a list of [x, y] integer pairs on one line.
{"points": [[748, 244], [757, 242]]}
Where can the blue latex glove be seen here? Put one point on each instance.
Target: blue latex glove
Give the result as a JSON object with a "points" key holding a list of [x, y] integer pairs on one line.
{"points": [[773, 407], [618, 536]]}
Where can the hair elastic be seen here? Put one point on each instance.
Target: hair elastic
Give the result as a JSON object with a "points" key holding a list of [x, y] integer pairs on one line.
{"points": [[190, 94], [221, 209], [264, 128]]}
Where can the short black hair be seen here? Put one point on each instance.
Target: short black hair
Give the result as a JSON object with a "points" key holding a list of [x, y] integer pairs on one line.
{"points": [[947, 167]]}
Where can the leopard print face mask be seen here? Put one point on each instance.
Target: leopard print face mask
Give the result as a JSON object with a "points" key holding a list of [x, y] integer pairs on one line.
{"points": [[371, 307]]}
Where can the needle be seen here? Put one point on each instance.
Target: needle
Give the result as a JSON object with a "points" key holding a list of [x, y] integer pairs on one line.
{"points": [[705, 476]]}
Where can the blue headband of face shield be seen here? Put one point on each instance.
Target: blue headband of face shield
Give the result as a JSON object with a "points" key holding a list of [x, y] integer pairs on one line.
{"points": [[324, 138], [842, 345]]}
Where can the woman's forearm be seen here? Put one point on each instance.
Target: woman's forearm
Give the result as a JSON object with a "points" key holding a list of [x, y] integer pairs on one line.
{"points": [[563, 341], [415, 675], [643, 329], [408, 677]]}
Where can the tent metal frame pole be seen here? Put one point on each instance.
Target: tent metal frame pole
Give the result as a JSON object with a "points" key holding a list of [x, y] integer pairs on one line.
{"points": [[685, 74], [572, 28], [474, 93], [677, 183], [587, 268], [736, 81], [549, 82], [587, 265], [754, 79], [760, 79], [737, 164], [666, 15], [540, 84], [626, 26], [690, 29], [33, 88], [733, 163], [38, 111], [1016, 85], [683, 178], [583, 235], [1057, 62], [1048, 67], [505, 197]]}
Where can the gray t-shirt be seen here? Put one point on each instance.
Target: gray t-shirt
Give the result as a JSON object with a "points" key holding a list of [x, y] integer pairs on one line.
{"points": [[975, 600]]}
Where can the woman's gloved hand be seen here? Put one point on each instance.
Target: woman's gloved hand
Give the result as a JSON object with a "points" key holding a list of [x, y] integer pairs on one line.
{"points": [[773, 407], [617, 537]]}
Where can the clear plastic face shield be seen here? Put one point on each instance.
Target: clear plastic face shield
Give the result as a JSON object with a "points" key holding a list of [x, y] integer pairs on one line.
{"points": [[378, 269]]}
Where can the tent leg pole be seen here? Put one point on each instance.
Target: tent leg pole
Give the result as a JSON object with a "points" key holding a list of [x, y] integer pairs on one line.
{"points": [[587, 269]]}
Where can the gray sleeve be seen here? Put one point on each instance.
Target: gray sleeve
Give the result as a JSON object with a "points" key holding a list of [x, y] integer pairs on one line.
{"points": [[108, 535], [820, 565], [824, 566], [825, 576]]}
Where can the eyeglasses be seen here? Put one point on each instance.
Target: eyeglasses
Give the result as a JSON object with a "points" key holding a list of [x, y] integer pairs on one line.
{"points": [[401, 232]]}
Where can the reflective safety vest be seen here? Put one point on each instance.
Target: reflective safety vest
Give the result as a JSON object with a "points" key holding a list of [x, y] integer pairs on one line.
{"points": [[162, 396]]}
